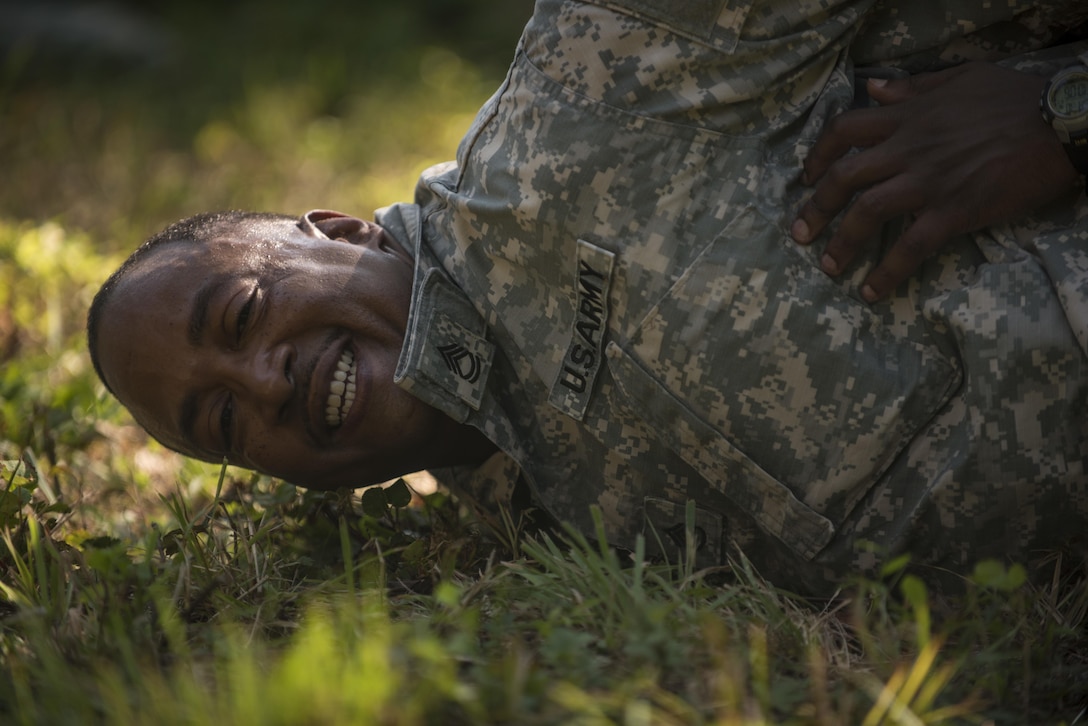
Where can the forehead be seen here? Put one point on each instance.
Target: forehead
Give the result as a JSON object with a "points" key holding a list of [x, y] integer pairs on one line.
{"points": [[236, 251], [173, 268]]}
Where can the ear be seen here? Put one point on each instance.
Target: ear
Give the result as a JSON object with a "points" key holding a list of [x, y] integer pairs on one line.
{"points": [[327, 224]]}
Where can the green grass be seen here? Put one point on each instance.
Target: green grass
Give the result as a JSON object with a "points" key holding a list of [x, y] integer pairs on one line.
{"points": [[264, 605], [137, 587]]}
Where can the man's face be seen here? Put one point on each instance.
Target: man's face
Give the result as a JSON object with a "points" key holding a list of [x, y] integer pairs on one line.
{"points": [[249, 347]]}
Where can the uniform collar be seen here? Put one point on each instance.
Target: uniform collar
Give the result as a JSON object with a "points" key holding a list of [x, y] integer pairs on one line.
{"points": [[446, 358]]}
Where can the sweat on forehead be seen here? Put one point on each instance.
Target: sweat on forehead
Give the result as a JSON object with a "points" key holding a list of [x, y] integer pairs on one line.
{"points": [[212, 224]]}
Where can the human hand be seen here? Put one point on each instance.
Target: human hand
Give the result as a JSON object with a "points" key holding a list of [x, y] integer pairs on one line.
{"points": [[959, 150]]}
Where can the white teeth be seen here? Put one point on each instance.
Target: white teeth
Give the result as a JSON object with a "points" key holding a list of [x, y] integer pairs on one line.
{"points": [[341, 390]]}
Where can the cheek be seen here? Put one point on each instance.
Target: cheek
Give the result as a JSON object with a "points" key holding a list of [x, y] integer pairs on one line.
{"points": [[408, 426]]}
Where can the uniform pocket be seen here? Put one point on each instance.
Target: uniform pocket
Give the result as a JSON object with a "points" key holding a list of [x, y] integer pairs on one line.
{"points": [[788, 395], [772, 504]]}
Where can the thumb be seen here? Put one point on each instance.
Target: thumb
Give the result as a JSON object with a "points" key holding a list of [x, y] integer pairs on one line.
{"points": [[896, 90], [891, 90]]}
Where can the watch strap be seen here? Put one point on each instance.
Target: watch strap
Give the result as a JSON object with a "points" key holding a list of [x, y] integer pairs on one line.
{"points": [[1077, 151]]}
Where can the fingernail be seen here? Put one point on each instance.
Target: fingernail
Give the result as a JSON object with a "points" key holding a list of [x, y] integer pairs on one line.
{"points": [[878, 82], [828, 265], [800, 231], [868, 293]]}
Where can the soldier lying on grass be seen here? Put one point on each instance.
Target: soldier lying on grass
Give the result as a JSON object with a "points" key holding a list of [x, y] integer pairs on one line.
{"points": [[632, 289]]}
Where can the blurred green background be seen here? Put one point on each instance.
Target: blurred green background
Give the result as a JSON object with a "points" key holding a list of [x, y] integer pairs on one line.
{"points": [[117, 119]]}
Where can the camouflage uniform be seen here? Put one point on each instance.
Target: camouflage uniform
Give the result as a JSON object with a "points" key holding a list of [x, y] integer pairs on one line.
{"points": [[606, 287]]}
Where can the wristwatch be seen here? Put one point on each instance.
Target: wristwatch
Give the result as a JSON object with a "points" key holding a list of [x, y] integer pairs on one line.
{"points": [[1064, 104]]}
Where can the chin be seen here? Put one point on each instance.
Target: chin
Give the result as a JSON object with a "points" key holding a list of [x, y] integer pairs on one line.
{"points": [[340, 481]]}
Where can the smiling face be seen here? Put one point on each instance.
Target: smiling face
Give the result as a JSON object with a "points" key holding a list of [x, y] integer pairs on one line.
{"points": [[275, 347]]}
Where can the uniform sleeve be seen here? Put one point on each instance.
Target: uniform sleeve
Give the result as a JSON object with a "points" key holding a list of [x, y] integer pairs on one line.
{"points": [[928, 36], [737, 68]]}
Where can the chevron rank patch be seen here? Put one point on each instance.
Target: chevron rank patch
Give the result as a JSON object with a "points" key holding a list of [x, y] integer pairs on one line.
{"points": [[457, 359]]}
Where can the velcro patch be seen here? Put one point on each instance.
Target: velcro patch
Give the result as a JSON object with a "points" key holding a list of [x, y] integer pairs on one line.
{"points": [[577, 373], [457, 359]]}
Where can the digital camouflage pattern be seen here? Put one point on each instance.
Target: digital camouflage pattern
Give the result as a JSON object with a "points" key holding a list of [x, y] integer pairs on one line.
{"points": [[606, 287]]}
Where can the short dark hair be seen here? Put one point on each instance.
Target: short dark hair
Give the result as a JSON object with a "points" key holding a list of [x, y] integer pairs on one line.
{"points": [[197, 229]]}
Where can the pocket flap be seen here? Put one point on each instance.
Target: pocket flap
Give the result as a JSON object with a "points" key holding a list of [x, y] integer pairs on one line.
{"points": [[752, 489]]}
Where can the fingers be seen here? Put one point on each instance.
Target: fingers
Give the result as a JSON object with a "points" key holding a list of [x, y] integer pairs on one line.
{"points": [[923, 239], [865, 219], [865, 128], [837, 178], [896, 90], [912, 161], [859, 128], [838, 185], [882, 201]]}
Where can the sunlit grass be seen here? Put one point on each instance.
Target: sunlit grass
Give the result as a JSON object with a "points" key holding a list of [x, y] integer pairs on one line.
{"points": [[232, 616]]}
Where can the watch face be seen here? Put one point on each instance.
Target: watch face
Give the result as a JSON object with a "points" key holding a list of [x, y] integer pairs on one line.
{"points": [[1069, 97]]}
